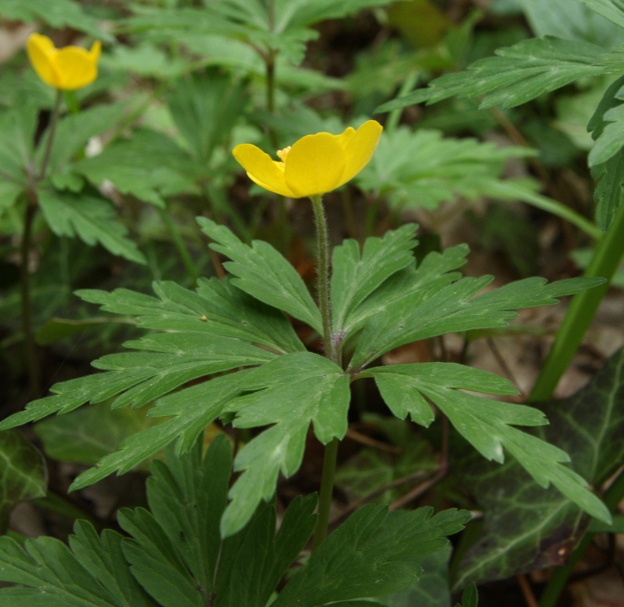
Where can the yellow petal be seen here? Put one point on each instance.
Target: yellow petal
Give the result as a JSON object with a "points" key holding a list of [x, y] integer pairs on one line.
{"points": [[77, 66], [262, 169], [41, 53], [360, 149], [315, 165], [345, 137]]}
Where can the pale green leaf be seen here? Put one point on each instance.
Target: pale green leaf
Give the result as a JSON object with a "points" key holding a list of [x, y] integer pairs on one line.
{"points": [[58, 14], [432, 169], [90, 218], [613, 10], [265, 274], [518, 73]]}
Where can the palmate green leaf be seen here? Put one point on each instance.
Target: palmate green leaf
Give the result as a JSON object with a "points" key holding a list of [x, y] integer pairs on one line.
{"points": [[297, 13], [93, 573], [90, 218], [58, 14], [176, 551], [263, 273], [434, 273], [216, 308], [75, 130], [572, 20], [486, 424], [373, 553], [16, 152], [217, 316], [23, 474], [149, 165], [518, 74], [317, 392], [432, 169], [613, 10], [205, 109], [356, 275], [525, 527], [431, 589], [456, 307]]}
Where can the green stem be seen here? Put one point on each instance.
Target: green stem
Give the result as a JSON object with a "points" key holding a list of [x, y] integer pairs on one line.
{"points": [[331, 449], [325, 497], [26, 303], [561, 575], [323, 273], [582, 309], [180, 245], [395, 115], [56, 110]]}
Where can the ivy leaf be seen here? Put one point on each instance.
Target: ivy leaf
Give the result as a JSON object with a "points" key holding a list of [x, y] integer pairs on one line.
{"points": [[456, 307], [317, 392], [589, 425], [94, 573], [372, 554], [90, 218], [23, 475], [517, 74], [280, 286], [356, 275]]}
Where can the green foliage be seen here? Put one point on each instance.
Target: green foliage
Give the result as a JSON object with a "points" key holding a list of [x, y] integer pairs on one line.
{"points": [[423, 169], [23, 475], [59, 14], [174, 553], [526, 528]]}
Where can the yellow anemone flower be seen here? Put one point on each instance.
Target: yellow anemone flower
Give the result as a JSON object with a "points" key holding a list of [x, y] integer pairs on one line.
{"points": [[68, 68], [313, 165]]}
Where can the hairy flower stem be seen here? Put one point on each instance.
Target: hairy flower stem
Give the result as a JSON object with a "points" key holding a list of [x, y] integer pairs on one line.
{"points": [[580, 314], [331, 449]]}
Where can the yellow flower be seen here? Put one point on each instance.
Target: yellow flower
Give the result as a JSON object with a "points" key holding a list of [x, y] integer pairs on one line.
{"points": [[315, 164], [69, 68]]}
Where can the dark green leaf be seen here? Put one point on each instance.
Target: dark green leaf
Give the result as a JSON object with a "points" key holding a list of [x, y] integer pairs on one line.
{"points": [[373, 553], [23, 474], [609, 191], [431, 589], [91, 219], [93, 573], [88, 434], [264, 273]]}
